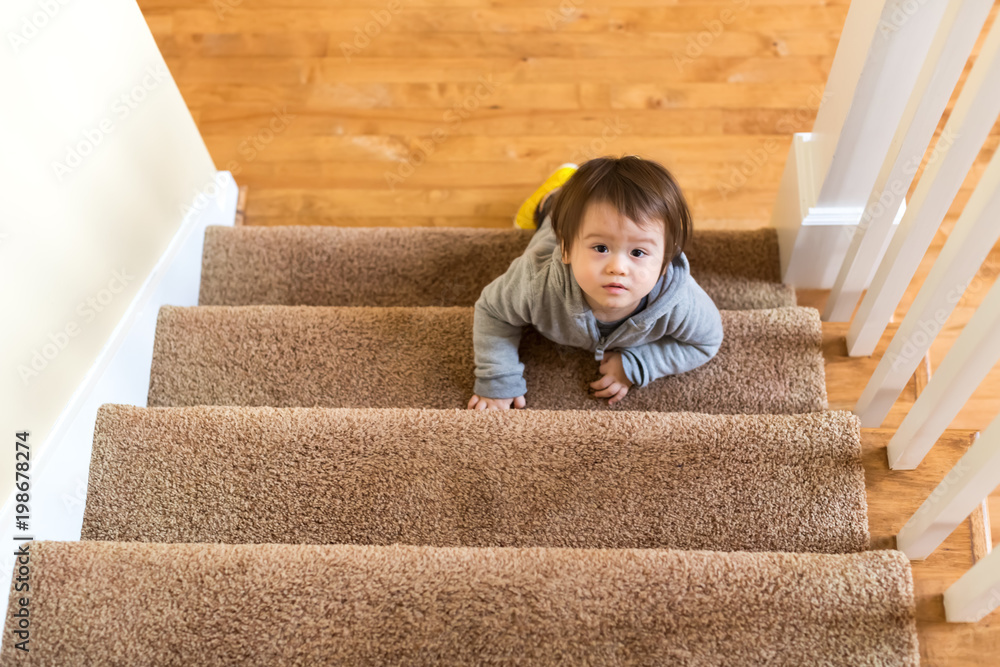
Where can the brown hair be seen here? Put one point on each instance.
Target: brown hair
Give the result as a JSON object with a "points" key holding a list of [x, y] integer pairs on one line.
{"points": [[642, 190]]}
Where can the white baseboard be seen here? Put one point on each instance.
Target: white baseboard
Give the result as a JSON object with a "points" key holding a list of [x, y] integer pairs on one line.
{"points": [[120, 375]]}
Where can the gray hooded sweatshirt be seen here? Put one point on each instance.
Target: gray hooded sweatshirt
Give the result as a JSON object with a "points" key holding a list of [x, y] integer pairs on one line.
{"points": [[679, 329]]}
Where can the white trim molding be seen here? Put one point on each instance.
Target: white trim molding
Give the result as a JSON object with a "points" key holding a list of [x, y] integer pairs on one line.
{"points": [[814, 240]]}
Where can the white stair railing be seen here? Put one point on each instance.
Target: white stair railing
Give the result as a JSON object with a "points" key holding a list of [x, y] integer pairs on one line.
{"points": [[962, 22], [942, 51], [831, 171], [968, 126]]}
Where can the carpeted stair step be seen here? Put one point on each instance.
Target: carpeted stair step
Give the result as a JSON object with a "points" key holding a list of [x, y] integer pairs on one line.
{"points": [[439, 266], [290, 356], [488, 479], [291, 604]]}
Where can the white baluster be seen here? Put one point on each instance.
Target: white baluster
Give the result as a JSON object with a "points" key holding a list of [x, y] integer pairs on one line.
{"points": [[973, 478], [976, 594], [974, 235], [967, 363]]}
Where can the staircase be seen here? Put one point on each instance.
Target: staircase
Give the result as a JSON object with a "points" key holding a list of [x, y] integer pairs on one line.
{"points": [[306, 487]]}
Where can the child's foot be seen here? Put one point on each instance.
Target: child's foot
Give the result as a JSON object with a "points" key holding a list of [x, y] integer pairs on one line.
{"points": [[525, 218], [543, 208]]}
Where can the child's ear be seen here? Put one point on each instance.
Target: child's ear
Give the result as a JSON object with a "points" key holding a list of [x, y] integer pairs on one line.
{"points": [[565, 257]]}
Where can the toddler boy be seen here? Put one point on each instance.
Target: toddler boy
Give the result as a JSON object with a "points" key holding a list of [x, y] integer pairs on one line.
{"points": [[605, 271]]}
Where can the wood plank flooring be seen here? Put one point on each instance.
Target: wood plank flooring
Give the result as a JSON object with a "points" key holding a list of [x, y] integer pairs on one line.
{"points": [[450, 112]]}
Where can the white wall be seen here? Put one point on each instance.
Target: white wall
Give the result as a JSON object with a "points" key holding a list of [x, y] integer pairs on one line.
{"points": [[100, 159]]}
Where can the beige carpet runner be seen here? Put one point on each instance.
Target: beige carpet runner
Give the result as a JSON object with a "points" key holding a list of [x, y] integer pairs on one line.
{"points": [[307, 487], [439, 266], [485, 479], [302, 356], [112, 603]]}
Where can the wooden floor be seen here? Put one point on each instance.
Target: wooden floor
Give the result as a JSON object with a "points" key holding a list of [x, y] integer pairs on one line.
{"points": [[450, 112]]}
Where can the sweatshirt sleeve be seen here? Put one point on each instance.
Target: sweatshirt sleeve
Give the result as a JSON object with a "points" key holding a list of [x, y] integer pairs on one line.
{"points": [[501, 313], [695, 340]]}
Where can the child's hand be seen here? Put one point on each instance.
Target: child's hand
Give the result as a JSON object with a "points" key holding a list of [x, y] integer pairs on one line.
{"points": [[483, 403], [614, 383]]}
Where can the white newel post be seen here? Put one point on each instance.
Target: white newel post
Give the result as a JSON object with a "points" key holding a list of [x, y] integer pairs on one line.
{"points": [[831, 171]]}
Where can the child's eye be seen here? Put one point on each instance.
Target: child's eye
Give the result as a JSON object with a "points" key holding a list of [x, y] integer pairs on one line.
{"points": [[601, 247]]}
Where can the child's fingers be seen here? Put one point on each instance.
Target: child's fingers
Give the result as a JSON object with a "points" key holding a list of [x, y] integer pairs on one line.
{"points": [[619, 395], [473, 401], [610, 391], [603, 383]]}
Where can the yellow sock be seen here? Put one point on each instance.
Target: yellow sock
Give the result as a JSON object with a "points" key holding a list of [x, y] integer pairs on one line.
{"points": [[525, 218]]}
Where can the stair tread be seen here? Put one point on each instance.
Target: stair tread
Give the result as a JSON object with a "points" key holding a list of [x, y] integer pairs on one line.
{"points": [[312, 356], [470, 478], [439, 266], [282, 604]]}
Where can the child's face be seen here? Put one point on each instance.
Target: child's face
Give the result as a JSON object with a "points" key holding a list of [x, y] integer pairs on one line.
{"points": [[614, 249]]}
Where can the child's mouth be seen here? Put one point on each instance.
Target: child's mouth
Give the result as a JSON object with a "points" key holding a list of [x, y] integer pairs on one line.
{"points": [[614, 289]]}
